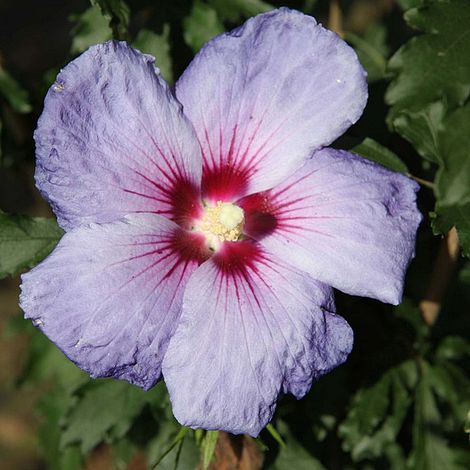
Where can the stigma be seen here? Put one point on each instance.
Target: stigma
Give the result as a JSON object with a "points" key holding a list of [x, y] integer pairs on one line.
{"points": [[220, 223]]}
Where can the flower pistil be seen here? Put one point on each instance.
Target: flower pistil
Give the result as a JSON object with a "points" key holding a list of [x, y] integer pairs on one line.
{"points": [[220, 223]]}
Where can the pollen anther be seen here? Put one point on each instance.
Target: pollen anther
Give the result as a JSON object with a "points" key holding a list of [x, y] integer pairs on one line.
{"points": [[222, 222]]}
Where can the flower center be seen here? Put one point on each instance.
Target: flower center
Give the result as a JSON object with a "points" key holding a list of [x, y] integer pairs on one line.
{"points": [[220, 223]]}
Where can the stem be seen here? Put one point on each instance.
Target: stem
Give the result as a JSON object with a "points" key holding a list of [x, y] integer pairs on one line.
{"points": [[335, 18], [422, 182], [444, 267]]}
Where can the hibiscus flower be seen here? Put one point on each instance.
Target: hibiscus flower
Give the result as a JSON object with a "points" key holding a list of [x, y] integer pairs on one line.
{"points": [[205, 225]]}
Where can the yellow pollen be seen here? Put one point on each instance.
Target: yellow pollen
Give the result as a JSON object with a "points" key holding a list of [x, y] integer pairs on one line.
{"points": [[222, 222]]}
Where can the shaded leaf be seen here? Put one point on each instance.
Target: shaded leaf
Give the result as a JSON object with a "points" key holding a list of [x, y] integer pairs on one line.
{"points": [[105, 408], [453, 347], [167, 437], [25, 241], [51, 409], [467, 424], [123, 451], [453, 178], [376, 417], [12, 91], [117, 13], [430, 448], [293, 455], [201, 25], [376, 152], [372, 50], [173, 448], [235, 10], [45, 361], [157, 45], [407, 4]]}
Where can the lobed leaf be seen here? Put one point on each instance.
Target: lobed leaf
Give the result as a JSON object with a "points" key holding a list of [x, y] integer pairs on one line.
{"points": [[436, 64]]}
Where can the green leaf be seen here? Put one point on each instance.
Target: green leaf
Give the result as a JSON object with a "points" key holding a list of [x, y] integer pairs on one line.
{"points": [[451, 385], [45, 361], [157, 45], [117, 13], [372, 50], [168, 435], [208, 448], [105, 409], [453, 348], [123, 451], [434, 65], [467, 423], [293, 455], [51, 409], [376, 416], [188, 455], [91, 28], [201, 25], [172, 448], [430, 448], [421, 129], [407, 4], [11, 90], [235, 10], [453, 178], [25, 241], [376, 152]]}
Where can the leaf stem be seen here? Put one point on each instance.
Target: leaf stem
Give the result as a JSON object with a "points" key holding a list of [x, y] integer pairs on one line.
{"points": [[426, 183]]}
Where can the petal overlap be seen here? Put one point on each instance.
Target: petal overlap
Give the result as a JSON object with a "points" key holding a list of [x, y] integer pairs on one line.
{"points": [[348, 222], [267, 94], [113, 140], [109, 296], [252, 327]]}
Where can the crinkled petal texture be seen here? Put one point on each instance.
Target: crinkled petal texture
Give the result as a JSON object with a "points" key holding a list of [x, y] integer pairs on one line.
{"points": [[113, 140], [252, 327], [110, 295], [348, 222], [267, 94]]}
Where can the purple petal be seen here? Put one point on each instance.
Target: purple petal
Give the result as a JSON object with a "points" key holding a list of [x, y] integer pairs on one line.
{"points": [[113, 140], [110, 295], [252, 327], [264, 96], [346, 221]]}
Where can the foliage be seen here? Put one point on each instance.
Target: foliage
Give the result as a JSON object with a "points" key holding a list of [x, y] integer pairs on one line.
{"points": [[401, 401], [427, 98], [25, 241]]}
